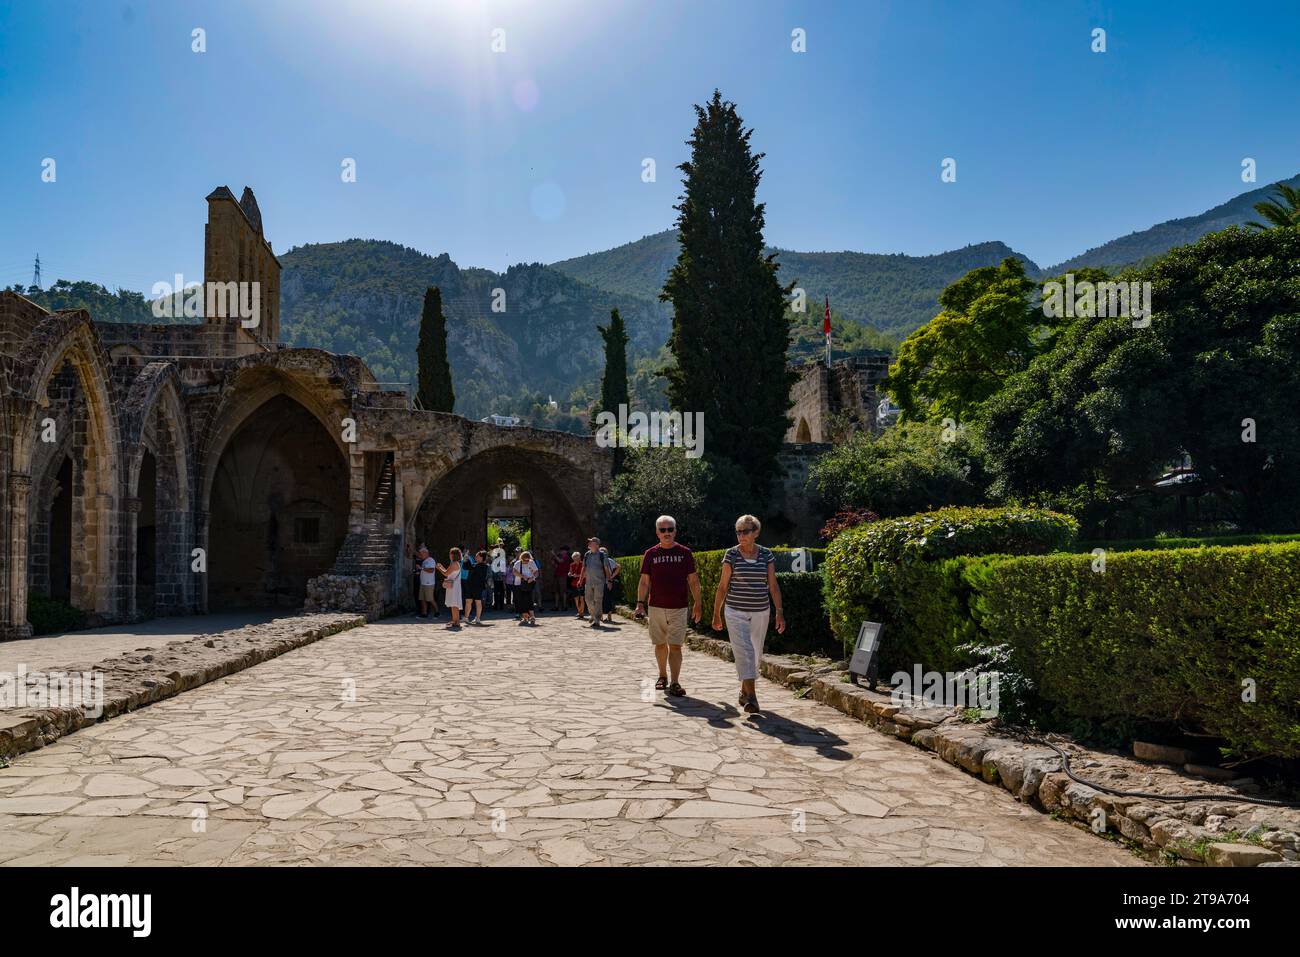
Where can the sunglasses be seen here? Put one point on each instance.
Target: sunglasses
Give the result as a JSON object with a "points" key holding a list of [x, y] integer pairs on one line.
{"points": [[667, 529], [746, 530]]}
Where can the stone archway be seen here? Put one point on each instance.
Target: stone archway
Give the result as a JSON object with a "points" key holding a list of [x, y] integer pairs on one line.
{"points": [[73, 466], [278, 507], [547, 491], [158, 518]]}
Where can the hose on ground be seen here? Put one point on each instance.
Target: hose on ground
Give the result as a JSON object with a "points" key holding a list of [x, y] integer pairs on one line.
{"points": [[1208, 798]]}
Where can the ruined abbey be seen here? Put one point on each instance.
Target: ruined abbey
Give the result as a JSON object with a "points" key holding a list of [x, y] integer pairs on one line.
{"points": [[180, 468]]}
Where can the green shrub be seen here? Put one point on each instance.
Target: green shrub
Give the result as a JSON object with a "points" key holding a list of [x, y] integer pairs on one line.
{"points": [[49, 616], [897, 572], [807, 629], [1170, 637], [1148, 544]]}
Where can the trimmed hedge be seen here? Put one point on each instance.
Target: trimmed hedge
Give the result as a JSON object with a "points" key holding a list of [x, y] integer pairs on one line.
{"points": [[894, 571], [1164, 636], [1163, 544], [807, 628], [1161, 638]]}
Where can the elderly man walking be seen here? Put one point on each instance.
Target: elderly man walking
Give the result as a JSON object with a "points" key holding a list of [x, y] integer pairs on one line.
{"points": [[428, 583], [667, 573], [594, 578]]}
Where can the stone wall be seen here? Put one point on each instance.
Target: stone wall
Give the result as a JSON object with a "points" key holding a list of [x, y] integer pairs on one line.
{"points": [[367, 594], [850, 386]]}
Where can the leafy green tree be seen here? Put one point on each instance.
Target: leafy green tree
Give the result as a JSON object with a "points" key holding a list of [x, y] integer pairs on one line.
{"points": [[435, 388], [654, 482], [912, 467], [1215, 376], [1280, 212], [730, 333], [986, 330]]}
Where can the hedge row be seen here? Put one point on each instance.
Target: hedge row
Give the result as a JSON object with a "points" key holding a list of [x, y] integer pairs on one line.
{"points": [[893, 571], [1174, 638], [1164, 544], [807, 628]]}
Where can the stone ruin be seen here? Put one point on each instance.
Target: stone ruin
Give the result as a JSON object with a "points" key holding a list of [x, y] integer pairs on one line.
{"points": [[187, 467]]}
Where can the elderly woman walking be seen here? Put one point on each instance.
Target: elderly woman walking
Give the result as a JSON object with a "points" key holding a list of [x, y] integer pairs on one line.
{"points": [[749, 589], [451, 581]]}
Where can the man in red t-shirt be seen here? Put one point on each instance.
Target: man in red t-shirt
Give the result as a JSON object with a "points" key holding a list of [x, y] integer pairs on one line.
{"points": [[667, 573]]}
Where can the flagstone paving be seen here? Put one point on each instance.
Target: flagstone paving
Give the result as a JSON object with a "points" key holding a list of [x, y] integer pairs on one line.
{"points": [[402, 743]]}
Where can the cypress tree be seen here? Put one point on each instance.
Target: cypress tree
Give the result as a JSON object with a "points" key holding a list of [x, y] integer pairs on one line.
{"points": [[613, 385], [435, 391], [730, 332]]}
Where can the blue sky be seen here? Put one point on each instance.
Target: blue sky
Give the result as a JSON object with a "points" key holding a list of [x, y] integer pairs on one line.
{"points": [[535, 153]]}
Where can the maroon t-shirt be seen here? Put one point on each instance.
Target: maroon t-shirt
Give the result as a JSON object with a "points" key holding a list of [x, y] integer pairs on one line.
{"points": [[668, 569]]}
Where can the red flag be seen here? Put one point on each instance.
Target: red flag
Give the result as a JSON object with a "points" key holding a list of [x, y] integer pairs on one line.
{"points": [[826, 324]]}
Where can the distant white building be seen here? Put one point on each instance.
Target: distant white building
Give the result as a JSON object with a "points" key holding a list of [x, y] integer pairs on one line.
{"points": [[887, 413], [506, 420]]}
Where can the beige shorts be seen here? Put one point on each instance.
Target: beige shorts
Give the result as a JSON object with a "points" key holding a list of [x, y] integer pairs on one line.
{"points": [[429, 593], [667, 626]]}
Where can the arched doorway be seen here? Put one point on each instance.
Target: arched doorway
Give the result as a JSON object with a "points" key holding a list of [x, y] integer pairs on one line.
{"points": [[507, 483], [279, 508], [159, 504], [74, 495]]}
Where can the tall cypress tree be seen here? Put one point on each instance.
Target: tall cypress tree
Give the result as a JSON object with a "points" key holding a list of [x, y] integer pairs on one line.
{"points": [[730, 333], [613, 385], [435, 391]]}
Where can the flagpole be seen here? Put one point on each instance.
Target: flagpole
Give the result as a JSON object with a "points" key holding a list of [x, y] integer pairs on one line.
{"points": [[826, 327]]}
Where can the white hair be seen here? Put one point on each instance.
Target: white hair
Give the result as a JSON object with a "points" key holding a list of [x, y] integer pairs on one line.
{"points": [[750, 520], [665, 518]]}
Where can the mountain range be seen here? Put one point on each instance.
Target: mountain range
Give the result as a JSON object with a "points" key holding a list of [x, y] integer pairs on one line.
{"points": [[513, 351]]}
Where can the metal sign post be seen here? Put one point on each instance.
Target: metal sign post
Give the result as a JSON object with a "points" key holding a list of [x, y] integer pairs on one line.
{"points": [[864, 661]]}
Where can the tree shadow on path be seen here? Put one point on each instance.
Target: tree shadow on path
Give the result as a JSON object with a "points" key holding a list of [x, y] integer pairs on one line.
{"points": [[785, 729]]}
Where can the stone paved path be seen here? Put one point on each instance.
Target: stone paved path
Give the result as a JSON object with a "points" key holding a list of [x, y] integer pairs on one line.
{"points": [[504, 745]]}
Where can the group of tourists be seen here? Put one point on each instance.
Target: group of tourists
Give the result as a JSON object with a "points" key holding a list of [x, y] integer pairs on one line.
{"points": [[746, 599], [472, 581]]}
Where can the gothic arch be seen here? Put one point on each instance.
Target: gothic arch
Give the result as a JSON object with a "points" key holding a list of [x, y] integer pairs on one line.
{"points": [[69, 340], [159, 535]]}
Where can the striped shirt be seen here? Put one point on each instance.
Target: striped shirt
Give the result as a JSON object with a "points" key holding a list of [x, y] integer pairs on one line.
{"points": [[748, 590]]}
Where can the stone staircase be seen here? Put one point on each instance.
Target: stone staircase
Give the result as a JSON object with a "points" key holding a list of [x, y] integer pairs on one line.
{"points": [[360, 577], [370, 551]]}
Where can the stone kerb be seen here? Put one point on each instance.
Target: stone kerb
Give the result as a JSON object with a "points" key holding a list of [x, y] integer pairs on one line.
{"points": [[136, 679]]}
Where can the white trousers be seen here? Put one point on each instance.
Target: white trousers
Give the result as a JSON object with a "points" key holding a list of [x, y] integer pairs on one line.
{"points": [[747, 631]]}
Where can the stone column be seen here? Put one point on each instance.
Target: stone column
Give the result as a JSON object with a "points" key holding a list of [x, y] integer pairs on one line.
{"points": [[200, 590], [13, 616], [131, 515]]}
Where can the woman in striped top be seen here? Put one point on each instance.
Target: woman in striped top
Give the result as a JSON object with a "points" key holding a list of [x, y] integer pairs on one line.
{"points": [[749, 589]]}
